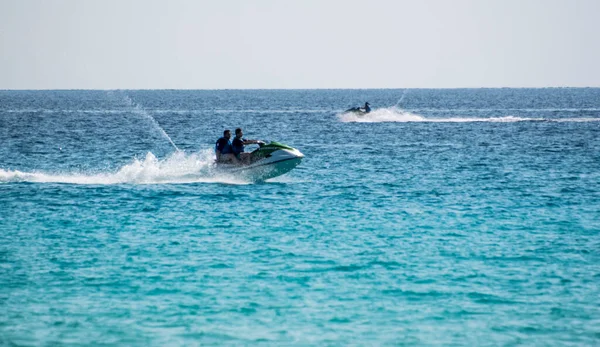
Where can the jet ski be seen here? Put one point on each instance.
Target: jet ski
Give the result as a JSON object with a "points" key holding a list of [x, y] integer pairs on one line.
{"points": [[356, 110], [269, 160], [359, 110]]}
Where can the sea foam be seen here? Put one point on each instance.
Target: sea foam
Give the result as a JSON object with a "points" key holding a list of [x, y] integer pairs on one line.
{"points": [[179, 167], [394, 114]]}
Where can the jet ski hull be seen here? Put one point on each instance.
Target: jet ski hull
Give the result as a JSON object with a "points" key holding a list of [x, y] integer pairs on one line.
{"points": [[266, 163], [356, 110]]}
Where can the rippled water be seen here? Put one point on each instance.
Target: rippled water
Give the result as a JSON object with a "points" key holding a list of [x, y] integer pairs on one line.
{"points": [[463, 217]]}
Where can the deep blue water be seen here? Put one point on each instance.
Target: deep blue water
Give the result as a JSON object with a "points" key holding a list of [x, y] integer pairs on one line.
{"points": [[466, 217]]}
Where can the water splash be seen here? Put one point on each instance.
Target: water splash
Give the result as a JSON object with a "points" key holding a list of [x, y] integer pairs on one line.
{"points": [[401, 98], [137, 109], [391, 114], [394, 114], [179, 167]]}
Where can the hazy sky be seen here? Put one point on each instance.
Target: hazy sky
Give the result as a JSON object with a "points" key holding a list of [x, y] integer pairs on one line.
{"points": [[227, 44]]}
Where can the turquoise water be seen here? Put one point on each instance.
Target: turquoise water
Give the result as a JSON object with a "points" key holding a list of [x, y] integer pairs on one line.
{"points": [[466, 217]]}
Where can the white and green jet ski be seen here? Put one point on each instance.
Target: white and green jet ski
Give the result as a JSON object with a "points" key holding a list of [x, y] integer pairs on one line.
{"points": [[267, 161]]}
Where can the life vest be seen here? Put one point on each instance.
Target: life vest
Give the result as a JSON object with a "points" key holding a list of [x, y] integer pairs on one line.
{"points": [[226, 147], [237, 146]]}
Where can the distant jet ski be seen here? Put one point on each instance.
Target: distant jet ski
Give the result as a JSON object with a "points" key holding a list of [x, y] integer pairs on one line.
{"points": [[359, 110], [269, 160]]}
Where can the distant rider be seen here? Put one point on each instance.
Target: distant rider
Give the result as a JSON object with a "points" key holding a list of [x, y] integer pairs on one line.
{"points": [[238, 146], [224, 149], [367, 108]]}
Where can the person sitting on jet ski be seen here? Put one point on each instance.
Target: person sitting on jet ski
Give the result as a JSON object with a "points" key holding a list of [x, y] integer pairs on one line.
{"points": [[224, 149], [238, 145], [367, 108]]}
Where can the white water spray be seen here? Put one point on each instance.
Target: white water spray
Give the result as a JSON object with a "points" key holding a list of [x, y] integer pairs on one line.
{"points": [[394, 114], [137, 109], [177, 168], [401, 98]]}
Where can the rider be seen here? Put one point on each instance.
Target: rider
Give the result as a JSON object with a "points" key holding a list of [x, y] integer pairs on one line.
{"points": [[367, 108], [224, 149], [238, 146]]}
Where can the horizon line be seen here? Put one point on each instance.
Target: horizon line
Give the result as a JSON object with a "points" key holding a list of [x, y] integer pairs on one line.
{"points": [[290, 89]]}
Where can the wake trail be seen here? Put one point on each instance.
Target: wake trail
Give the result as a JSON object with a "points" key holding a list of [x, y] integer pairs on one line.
{"points": [[179, 167], [395, 114]]}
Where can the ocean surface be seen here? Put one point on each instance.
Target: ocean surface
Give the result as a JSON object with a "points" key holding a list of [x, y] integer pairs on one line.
{"points": [[444, 217]]}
